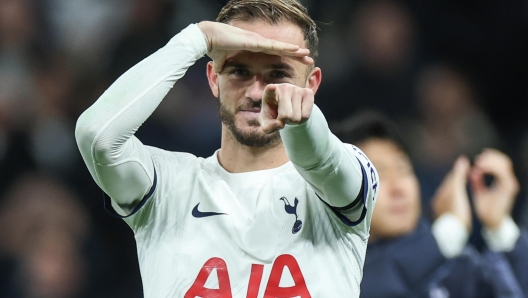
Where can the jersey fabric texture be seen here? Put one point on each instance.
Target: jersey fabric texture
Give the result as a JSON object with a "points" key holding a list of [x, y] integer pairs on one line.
{"points": [[298, 230], [243, 219]]}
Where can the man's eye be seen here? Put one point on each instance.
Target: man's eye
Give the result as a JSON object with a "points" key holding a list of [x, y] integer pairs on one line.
{"points": [[279, 74], [241, 72]]}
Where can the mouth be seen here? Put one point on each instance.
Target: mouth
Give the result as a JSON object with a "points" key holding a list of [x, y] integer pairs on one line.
{"points": [[251, 116], [249, 109], [252, 110], [400, 210]]}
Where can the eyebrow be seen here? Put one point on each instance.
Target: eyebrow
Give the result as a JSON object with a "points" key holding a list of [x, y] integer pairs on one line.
{"points": [[275, 66], [230, 63], [282, 66]]}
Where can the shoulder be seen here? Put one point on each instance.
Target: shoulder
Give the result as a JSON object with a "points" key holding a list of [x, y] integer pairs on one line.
{"points": [[170, 159]]}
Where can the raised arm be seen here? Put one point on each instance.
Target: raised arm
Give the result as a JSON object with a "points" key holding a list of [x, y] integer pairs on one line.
{"points": [[118, 161], [452, 210], [493, 206], [341, 175]]}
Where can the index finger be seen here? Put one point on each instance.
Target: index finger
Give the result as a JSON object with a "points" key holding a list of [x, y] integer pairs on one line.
{"points": [[270, 94]]}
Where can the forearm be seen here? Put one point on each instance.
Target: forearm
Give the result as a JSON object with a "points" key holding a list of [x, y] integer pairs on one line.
{"points": [[105, 131], [322, 159]]}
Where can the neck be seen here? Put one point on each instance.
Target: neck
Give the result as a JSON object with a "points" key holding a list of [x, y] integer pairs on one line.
{"points": [[237, 158]]}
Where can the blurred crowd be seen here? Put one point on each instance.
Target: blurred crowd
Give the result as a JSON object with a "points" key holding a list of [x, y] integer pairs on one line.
{"points": [[452, 74]]}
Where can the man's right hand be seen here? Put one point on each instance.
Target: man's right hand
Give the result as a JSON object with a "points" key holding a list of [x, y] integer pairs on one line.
{"points": [[223, 38]]}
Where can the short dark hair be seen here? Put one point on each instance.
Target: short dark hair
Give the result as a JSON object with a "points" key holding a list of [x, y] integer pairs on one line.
{"points": [[369, 125], [273, 12]]}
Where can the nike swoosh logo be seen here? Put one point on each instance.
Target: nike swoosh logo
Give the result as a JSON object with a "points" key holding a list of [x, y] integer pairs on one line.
{"points": [[199, 214]]}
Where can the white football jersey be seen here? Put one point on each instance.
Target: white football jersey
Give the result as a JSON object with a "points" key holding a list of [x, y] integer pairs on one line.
{"points": [[205, 232]]}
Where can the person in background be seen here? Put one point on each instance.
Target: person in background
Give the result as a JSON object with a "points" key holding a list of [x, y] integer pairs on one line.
{"points": [[409, 257], [44, 229], [450, 123], [375, 58]]}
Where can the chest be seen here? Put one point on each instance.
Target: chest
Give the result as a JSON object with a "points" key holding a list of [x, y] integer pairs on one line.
{"points": [[257, 219], [211, 235]]}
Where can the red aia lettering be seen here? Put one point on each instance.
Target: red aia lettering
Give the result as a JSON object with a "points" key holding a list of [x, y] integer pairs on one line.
{"points": [[224, 286], [254, 280], [273, 290]]}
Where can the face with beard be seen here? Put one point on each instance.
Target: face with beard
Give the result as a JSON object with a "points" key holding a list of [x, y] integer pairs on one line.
{"points": [[240, 85], [252, 135]]}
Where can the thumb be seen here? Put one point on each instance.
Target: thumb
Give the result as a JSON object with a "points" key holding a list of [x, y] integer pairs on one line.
{"points": [[218, 65]]}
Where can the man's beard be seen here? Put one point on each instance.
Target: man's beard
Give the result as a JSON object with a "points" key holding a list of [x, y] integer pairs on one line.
{"points": [[253, 138]]}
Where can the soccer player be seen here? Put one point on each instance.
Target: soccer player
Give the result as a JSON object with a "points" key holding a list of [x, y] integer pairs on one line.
{"points": [[407, 256], [282, 209]]}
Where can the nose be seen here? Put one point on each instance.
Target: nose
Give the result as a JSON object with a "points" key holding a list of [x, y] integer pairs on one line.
{"points": [[256, 89], [395, 186]]}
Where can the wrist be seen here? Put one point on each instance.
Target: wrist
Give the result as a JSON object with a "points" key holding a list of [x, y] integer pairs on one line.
{"points": [[502, 238], [450, 234], [204, 27], [493, 224]]}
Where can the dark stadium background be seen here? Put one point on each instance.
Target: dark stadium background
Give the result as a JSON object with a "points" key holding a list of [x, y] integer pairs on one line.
{"points": [[453, 74]]}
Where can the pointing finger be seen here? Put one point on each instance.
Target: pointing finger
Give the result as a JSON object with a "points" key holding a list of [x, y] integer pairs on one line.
{"points": [[270, 94]]}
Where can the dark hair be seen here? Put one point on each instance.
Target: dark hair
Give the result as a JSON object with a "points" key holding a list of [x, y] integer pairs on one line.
{"points": [[366, 126], [273, 12]]}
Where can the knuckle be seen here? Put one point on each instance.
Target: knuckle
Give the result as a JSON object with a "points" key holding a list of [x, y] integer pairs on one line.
{"points": [[297, 118], [288, 87], [286, 115]]}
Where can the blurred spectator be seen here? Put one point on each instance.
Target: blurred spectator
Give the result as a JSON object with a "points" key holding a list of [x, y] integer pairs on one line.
{"points": [[50, 138], [489, 40], [22, 37], [450, 124], [87, 29], [43, 228], [147, 30], [382, 39], [408, 257], [18, 34]]}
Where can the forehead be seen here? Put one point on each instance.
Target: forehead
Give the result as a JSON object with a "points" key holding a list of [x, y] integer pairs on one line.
{"points": [[384, 151], [284, 31]]}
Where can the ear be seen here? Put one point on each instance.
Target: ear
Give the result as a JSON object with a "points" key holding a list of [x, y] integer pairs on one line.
{"points": [[212, 78], [314, 80]]}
